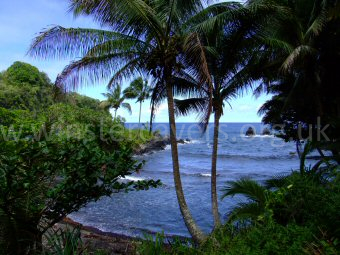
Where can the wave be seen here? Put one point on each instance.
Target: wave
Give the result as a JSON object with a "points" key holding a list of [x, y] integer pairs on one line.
{"points": [[200, 174], [204, 175], [200, 154], [196, 141], [132, 178], [258, 136]]}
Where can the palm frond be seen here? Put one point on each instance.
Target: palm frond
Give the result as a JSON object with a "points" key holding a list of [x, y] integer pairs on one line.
{"points": [[130, 69], [95, 69], [124, 16], [297, 54], [246, 211], [276, 182], [247, 187], [216, 15], [123, 44], [59, 42], [277, 43], [317, 25], [196, 58], [127, 106], [186, 106]]}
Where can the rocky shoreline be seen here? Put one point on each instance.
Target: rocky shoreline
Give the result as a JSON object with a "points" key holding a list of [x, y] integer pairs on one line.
{"points": [[96, 240]]}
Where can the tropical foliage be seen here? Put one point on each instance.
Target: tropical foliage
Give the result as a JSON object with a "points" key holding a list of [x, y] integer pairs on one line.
{"points": [[56, 160], [211, 53], [24, 87], [301, 52]]}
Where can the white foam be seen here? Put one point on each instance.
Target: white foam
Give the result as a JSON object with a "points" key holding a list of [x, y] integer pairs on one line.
{"points": [[252, 136], [132, 178], [205, 175], [196, 141]]}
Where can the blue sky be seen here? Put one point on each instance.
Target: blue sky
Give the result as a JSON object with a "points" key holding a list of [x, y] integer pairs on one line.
{"points": [[22, 20]]}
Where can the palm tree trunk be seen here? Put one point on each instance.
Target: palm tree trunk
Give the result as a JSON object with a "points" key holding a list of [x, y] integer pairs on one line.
{"points": [[140, 112], [214, 198], [151, 117], [196, 233], [116, 113]]}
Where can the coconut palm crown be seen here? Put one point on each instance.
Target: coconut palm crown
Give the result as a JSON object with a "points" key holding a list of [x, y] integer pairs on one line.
{"points": [[140, 90], [115, 99]]}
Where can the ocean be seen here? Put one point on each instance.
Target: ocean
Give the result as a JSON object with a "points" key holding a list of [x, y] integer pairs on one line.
{"points": [[148, 212]]}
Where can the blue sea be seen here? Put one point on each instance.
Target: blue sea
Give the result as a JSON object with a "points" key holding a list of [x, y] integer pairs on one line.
{"points": [[147, 212]]}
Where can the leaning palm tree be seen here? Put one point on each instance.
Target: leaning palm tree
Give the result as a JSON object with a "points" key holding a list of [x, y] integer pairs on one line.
{"points": [[140, 90], [115, 100], [148, 37]]}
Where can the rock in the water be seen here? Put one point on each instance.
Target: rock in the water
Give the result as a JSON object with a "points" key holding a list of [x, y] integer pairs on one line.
{"points": [[266, 131], [250, 132], [156, 144]]}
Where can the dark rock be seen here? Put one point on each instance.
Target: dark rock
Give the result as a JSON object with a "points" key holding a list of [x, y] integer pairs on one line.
{"points": [[250, 132], [266, 131], [157, 144], [181, 141]]}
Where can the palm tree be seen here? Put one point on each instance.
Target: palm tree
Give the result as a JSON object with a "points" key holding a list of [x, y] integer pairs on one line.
{"points": [[148, 37], [140, 90], [229, 56], [115, 100]]}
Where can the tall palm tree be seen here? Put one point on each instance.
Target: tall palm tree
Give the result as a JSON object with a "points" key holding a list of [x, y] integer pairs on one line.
{"points": [[115, 99], [140, 90], [229, 51], [148, 37]]}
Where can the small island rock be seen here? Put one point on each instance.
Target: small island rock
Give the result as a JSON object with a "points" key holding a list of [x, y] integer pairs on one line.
{"points": [[266, 131], [250, 132]]}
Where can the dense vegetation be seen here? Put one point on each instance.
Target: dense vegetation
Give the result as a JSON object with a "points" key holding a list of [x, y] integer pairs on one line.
{"points": [[58, 152]]}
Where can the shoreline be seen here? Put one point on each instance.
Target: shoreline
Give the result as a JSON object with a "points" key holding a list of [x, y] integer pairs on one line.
{"points": [[94, 239], [112, 243]]}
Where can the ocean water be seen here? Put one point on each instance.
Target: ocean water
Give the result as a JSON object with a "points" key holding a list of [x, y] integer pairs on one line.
{"points": [[156, 210]]}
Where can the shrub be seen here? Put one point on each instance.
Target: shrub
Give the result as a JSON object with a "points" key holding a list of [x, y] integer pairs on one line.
{"points": [[42, 181]]}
